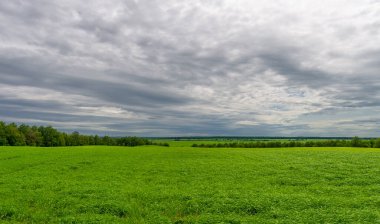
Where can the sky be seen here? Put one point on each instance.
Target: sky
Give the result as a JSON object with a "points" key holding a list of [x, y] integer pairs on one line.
{"points": [[192, 67]]}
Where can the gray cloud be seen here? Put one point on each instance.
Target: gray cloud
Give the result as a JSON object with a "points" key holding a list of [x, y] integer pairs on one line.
{"points": [[193, 67]]}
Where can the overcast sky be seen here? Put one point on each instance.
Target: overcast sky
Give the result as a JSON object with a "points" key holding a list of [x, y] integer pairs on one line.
{"points": [[207, 67]]}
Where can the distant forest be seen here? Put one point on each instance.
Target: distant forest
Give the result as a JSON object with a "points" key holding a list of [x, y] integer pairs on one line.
{"points": [[46, 136], [354, 142], [25, 135]]}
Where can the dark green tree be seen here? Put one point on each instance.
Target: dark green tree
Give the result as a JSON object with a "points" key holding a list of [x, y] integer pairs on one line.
{"points": [[356, 142], [14, 136], [3, 135], [50, 136], [377, 143], [97, 140], [75, 140], [37, 135]]}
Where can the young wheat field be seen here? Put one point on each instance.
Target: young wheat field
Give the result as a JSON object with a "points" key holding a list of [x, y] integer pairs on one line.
{"points": [[180, 184]]}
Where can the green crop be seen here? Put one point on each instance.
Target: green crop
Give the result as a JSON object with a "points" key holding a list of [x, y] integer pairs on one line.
{"points": [[152, 184]]}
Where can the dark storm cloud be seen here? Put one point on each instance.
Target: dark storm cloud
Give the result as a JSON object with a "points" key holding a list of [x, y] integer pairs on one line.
{"points": [[364, 122], [20, 73], [190, 67], [289, 67], [56, 116], [126, 94], [7, 104]]}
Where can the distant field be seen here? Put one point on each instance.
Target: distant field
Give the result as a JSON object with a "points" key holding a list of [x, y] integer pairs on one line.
{"points": [[208, 142], [183, 143], [179, 184]]}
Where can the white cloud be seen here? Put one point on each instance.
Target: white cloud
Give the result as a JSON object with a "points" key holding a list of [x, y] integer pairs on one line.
{"points": [[224, 64]]}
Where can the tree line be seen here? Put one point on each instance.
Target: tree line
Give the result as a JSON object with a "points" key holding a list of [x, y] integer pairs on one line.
{"points": [[46, 136], [354, 142], [251, 138]]}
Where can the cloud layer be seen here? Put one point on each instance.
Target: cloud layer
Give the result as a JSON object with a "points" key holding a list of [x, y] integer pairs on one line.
{"points": [[154, 68]]}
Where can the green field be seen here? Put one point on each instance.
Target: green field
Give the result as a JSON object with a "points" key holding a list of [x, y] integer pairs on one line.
{"points": [[151, 184]]}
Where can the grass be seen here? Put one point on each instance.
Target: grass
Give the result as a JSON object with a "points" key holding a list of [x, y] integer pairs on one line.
{"points": [[151, 184]]}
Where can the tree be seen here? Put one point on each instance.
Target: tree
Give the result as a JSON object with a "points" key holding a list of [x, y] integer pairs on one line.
{"points": [[377, 143], [3, 136], [91, 140], [356, 142], [107, 140], [31, 135], [14, 136], [50, 136], [38, 136], [97, 140], [75, 141], [84, 140], [61, 139]]}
